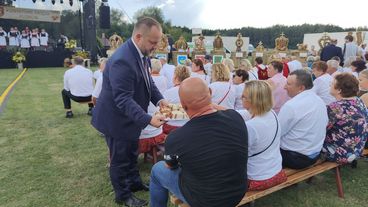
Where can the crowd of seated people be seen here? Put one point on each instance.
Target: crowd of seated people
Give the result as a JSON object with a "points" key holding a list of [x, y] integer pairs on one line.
{"points": [[24, 39], [309, 114]]}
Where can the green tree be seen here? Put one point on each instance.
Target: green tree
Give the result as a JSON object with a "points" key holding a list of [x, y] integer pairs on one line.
{"points": [[151, 11]]}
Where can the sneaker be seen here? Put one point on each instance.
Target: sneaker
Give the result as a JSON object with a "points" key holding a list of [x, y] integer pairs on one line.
{"points": [[69, 114], [89, 111]]}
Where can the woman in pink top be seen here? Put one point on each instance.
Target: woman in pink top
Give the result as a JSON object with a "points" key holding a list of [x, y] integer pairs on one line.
{"points": [[277, 82]]}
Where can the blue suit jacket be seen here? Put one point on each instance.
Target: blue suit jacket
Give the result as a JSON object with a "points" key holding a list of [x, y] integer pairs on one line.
{"points": [[331, 51], [121, 109]]}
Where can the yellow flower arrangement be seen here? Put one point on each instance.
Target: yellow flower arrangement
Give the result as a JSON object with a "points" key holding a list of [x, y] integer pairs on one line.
{"points": [[18, 57], [82, 54], [71, 44]]}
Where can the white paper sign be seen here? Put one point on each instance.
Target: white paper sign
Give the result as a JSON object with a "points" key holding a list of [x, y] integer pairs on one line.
{"points": [[282, 55], [239, 55], [303, 54], [259, 54]]}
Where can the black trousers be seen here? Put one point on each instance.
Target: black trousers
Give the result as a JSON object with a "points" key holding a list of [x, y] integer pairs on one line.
{"points": [[124, 173], [296, 160], [67, 96]]}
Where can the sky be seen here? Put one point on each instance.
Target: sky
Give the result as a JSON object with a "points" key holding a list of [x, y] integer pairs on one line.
{"points": [[227, 14]]}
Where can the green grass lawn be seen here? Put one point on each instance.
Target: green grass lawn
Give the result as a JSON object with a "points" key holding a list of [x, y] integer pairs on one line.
{"points": [[6, 77], [48, 160]]}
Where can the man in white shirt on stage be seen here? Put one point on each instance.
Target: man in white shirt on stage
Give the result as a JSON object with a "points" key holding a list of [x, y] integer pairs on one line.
{"points": [[78, 86], [303, 120], [3, 36]]}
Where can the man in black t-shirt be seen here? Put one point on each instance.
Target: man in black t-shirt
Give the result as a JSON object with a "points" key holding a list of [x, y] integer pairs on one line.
{"points": [[206, 159]]}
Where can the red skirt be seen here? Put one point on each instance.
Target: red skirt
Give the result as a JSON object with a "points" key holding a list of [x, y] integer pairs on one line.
{"points": [[268, 183], [145, 145], [168, 128]]}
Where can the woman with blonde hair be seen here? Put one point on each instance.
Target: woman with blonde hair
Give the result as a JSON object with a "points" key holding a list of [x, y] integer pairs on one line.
{"points": [[172, 95], [264, 157], [247, 66], [223, 92]]}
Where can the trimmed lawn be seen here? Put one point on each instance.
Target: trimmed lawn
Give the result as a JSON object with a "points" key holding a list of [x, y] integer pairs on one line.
{"points": [[48, 160], [6, 77]]}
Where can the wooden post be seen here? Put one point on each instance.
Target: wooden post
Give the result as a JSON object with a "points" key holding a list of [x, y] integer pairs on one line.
{"points": [[154, 154], [338, 182]]}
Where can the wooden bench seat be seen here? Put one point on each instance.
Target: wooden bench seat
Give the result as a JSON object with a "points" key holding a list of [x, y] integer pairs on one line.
{"points": [[296, 176], [293, 177]]}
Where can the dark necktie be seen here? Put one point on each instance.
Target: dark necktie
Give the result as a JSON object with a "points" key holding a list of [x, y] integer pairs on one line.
{"points": [[146, 71]]}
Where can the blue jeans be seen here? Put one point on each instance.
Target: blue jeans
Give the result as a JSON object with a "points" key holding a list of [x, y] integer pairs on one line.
{"points": [[163, 181]]}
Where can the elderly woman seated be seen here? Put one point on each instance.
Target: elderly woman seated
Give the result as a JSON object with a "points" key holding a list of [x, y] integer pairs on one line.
{"points": [[347, 129], [264, 157]]}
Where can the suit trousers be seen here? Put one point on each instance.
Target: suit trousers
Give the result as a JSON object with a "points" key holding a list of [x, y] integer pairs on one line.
{"points": [[67, 96], [296, 160], [124, 173]]}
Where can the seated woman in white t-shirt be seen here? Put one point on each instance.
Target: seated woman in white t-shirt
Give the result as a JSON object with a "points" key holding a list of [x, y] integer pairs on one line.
{"points": [[160, 80], [322, 83], [223, 92], [172, 95], [239, 77], [199, 71], [264, 168]]}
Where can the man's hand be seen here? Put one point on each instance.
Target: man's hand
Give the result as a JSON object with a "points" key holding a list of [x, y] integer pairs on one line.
{"points": [[163, 103], [157, 120]]}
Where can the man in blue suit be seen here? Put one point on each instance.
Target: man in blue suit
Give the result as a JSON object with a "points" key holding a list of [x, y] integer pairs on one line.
{"points": [[121, 110], [331, 51]]}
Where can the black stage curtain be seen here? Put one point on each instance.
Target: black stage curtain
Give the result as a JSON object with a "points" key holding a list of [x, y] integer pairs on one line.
{"points": [[36, 59]]}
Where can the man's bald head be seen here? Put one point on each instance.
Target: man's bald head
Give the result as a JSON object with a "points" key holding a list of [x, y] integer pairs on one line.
{"points": [[194, 94]]}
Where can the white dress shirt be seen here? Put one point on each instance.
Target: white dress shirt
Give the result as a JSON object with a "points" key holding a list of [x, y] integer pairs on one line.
{"points": [[160, 82], [97, 74], [303, 121], [351, 50], [98, 86], [321, 86], [253, 74], [268, 163], [220, 90], [168, 71], [79, 81]]}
